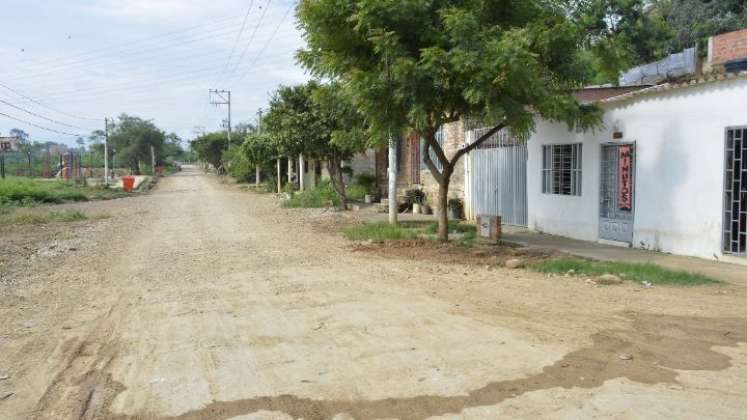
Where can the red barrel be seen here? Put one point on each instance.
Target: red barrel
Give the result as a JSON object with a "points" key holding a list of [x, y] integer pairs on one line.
{"points": [[128, 182]]}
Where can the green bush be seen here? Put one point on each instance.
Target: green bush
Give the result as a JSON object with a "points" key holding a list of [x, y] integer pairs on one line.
{"points": [[367, 181], [356, 192], [323, 195], [24, 192]]}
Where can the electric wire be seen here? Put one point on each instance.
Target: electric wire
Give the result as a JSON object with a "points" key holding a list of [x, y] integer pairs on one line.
{"points": [[32, 100], [41, 127], [269, 40], [39, 115]]}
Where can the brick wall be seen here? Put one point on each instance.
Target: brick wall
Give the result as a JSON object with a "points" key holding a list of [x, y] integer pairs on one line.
{"points": [[726, 47], [453, 139]]}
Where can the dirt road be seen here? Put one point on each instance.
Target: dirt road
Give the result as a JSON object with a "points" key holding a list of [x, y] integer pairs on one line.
{"points": [[203, 301]]}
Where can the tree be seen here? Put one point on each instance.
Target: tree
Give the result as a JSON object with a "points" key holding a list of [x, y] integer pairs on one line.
{"points": [[25, 146], [422, 64], [259, 150], [692, 22], [133, 137], [320, 122], [210, 147]]}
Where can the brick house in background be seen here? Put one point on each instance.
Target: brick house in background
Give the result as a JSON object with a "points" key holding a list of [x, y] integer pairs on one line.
{"points": [[411, 170]]}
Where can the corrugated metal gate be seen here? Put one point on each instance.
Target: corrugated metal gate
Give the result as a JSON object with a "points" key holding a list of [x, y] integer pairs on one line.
{"points": [[496, 178]]}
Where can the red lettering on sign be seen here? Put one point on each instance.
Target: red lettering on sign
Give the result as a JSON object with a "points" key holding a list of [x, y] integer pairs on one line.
{"points": [[625, 177]]}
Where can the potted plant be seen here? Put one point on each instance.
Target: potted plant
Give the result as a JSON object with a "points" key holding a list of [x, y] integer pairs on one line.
{"points": [[455, 207], [415, 198]]}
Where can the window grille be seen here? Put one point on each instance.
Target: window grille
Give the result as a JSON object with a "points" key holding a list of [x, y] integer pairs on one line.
{"points": [[561, 169], [735, 193]]}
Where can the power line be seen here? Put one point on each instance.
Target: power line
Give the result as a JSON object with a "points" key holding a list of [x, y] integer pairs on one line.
{"points": [[30, 99], [251, 39], [109, 50], [41, 127], [238, 38], [39, 115], [269, 40], [135, 86]]}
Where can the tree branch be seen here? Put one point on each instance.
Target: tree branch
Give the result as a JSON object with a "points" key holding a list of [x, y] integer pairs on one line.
{"points": [[475, 144], [430, 165]]}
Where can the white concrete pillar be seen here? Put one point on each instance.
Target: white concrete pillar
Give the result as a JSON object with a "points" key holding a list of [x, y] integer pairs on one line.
{"points": [[290, 170], [301, 173], [280, 187]]}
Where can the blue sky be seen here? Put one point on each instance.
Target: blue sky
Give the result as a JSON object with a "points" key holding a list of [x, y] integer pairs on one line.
{"points": [[71, 63]]}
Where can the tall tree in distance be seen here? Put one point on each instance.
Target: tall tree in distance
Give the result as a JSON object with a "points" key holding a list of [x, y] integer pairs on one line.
{"points": [[421, 64]]}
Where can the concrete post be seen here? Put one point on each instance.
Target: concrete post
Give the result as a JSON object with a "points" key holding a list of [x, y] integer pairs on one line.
{"points": [[301, 173], [392, 175], [280, 188]]}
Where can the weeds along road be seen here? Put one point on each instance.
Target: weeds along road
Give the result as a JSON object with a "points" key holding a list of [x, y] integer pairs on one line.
{"points": [[201, 301]]}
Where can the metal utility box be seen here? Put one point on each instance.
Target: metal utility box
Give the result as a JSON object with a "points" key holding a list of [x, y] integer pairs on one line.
{"points": [[489, 227]]}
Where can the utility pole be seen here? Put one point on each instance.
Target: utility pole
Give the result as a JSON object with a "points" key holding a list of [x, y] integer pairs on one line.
{"points": [[222, 97], [106, 151]]}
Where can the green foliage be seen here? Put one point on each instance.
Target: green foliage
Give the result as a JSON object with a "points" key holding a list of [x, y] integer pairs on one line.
{"points": [[321, 196], [356, 192], [259, 150], [24, 192], [210, 148], [131, 138], [380, 232], [415, 196], [237, 164], [368, 181], [627, 271]]}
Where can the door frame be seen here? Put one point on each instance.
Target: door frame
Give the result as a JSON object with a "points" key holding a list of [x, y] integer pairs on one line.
{"points": [[635, 190]]}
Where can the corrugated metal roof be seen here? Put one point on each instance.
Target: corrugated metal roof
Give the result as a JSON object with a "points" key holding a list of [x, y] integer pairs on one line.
{"points": [[665, 87]]}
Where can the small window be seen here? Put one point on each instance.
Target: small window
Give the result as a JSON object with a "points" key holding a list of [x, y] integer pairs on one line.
{"points": [[561, 169]]}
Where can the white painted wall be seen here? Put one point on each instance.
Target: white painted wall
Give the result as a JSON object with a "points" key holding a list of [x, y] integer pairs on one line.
{"points": [[679, 136]]}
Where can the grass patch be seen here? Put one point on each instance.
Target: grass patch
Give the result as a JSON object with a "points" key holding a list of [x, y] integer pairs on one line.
{"points": [[627, 271], [320, 196], [382, 231], [27, 218], [25, 192], [356, 192]]}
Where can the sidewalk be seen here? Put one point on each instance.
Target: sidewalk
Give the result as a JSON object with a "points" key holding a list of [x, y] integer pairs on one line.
{"points": [[731, 273]]}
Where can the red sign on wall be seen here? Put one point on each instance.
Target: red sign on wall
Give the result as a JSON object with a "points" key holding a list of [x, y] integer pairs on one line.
{"points": [[625, 177]]}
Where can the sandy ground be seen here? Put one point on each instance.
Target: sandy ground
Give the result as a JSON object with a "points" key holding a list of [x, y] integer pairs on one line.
{"points": [[203, 301]]}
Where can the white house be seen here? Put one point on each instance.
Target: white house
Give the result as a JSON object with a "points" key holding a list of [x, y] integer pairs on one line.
{"points": [[667, 172]]}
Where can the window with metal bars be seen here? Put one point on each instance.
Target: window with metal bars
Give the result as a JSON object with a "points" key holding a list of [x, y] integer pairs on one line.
{"points": [[561, 169], [432, 154], [735, 192]]}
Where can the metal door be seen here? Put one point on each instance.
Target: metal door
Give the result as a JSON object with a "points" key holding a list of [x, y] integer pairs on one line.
{"points": [[617, 192], [497, 178]]}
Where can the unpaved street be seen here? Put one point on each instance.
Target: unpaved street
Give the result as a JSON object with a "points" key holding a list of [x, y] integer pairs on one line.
{"points": [[204, 301]]}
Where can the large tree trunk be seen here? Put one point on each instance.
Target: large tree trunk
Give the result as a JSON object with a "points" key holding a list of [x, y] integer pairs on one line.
{"points": [[334, 166], [443, 211]]}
